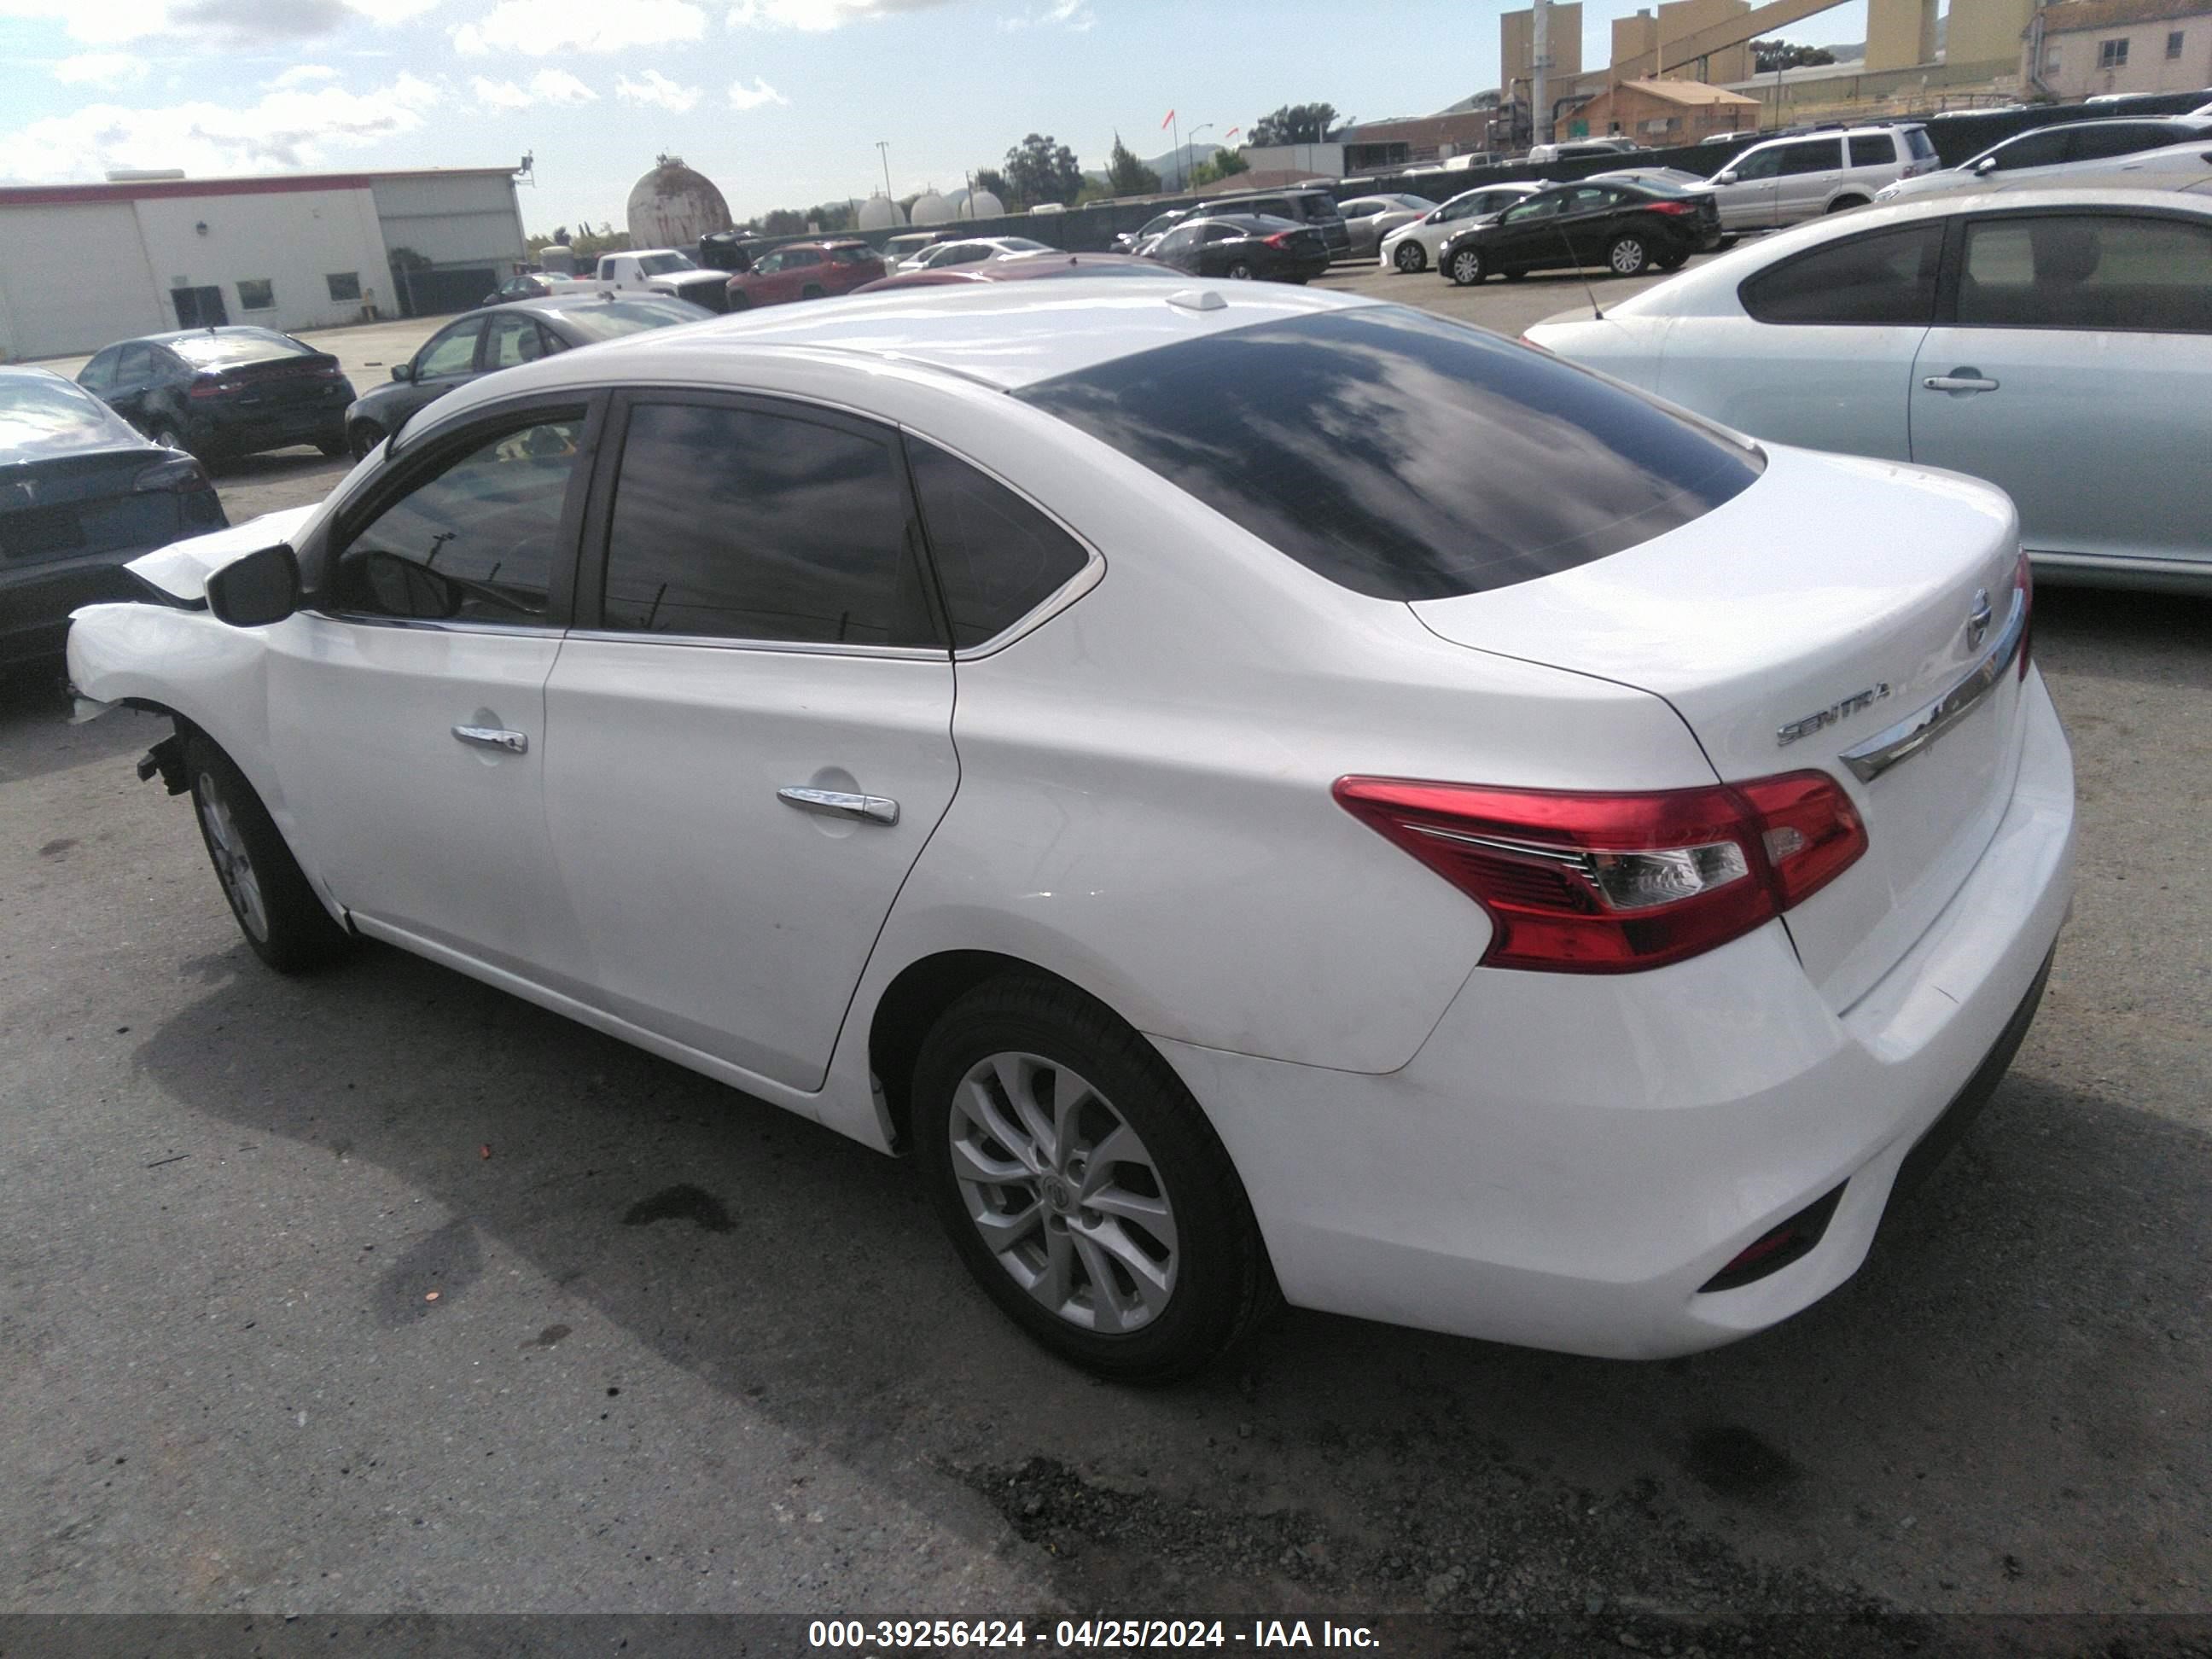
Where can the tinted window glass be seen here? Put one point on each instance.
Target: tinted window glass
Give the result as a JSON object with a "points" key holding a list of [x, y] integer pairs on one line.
{"points": [[998, 558], [1402, 455], [747, 526], [1872, 149], [1885, 278], [475, 542], [44, 414], [1917, 141], [2093, 141], [1759, 164], [1814, 155], [453, 352], [608, 320], [2090, 272], [237, 345], [513, 340], [99, 375], [2030, 149], [135, 366]]}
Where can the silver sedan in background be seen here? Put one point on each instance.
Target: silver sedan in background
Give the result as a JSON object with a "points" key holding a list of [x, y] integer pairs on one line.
{"points": [[2058, 344], [1370, 218]]}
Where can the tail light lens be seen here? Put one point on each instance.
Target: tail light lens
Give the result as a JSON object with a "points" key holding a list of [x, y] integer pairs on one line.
{"points": [[1673, 209], [1280, 239], [1579, 883], [182, 472], [2024, 579], [208, 386]]}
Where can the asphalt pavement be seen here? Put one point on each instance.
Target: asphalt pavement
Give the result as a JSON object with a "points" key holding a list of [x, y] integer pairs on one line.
{"points": [[382, 1291]]}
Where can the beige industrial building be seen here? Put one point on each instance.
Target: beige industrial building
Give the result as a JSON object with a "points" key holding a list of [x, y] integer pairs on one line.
{"points": [[1657, 34], [2087, 48], [1660, 113]]}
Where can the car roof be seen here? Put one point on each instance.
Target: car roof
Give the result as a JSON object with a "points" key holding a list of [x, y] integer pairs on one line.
{"points": [[1002, 335], [220, 331]]}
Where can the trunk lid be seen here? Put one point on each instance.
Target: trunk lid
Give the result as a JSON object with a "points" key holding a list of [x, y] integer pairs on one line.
{"points": [[68, 506], [1828, 603], [278, 382]]}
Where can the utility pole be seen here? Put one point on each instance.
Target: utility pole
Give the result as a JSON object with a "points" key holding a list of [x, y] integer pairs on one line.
{"points": [[883, 148], [1539, 65]]}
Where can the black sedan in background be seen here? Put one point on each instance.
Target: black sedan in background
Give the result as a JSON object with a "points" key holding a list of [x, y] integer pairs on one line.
{"points": [[80, 494], [222, 391], [1244, 245], [1628, 228], [494, 337]]}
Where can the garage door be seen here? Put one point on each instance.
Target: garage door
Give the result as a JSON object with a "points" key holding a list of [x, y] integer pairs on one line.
{"points": [[76, 278]]}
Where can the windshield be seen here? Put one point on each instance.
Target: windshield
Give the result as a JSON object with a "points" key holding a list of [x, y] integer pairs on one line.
{"points": [[244, 345], [1022, 245], [1403, 456], [609, 320], [660, 264]]}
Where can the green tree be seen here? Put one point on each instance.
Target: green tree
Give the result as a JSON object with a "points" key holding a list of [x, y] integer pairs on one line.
{"points": [[1768, 56], [1222, 164], [1040, 169], [1127, 176], [782, 221], [1294, 123]]}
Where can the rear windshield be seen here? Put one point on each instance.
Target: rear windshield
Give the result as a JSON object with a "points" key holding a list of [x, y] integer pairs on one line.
{"points": [[39, 413], [1918, 142], [246, 346], [1402, 455], [609, 320]]}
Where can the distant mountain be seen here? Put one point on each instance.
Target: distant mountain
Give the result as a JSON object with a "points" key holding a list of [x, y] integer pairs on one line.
{"points": [[1165, 163]]}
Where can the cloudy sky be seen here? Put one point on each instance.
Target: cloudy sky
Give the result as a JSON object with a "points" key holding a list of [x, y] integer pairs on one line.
{"points": [[781, 102]]}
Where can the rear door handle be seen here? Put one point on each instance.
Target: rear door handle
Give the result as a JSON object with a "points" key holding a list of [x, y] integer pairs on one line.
{"points": [[840, 804], [1960, 380], [493, 736]]}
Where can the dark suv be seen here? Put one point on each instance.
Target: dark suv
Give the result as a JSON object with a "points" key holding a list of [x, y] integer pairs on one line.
{"points": [[1316, 207]]}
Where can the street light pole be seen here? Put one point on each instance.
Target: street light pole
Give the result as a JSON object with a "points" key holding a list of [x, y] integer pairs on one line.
{"points": [[883, 148], [1187, 144]]}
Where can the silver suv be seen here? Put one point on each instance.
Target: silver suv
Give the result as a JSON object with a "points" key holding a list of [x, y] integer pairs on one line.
{"points": [[1785, 180]]}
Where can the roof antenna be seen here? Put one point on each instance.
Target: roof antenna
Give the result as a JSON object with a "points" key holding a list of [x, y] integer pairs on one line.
{"points": [[1589, 292]]}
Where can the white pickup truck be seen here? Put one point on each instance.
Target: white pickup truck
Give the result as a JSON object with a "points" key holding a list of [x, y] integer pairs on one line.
{"points": [[662, 270]]}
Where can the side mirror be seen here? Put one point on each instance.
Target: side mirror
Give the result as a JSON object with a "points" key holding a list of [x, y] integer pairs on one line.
{"points": [[1987, 165], [253, 592], [1727, 176], [403, 371]]}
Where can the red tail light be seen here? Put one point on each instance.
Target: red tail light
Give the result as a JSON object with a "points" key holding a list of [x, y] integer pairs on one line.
{"points": [[1280, 239], [2024, 579], [1612, 884], [207, 385], [1671, 208]]}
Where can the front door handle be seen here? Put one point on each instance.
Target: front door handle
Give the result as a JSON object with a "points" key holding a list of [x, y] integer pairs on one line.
{"points": [[1960, 380], [840, 804], [493, 736]]}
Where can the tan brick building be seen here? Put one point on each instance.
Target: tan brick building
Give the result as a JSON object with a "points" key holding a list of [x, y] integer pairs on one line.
{"points": [[1658, 113], [2093, 46]]}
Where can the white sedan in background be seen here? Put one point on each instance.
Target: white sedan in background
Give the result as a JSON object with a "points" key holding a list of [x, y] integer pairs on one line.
{"points": [[1548, 869], [971, 250], [2058, 344], [1412, 247]]}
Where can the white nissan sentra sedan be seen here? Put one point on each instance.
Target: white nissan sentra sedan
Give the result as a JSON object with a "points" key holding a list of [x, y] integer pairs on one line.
{"points": [[1260, 793]]}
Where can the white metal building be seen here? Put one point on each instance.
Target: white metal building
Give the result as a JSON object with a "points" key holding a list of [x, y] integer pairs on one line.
{"points": [[81, 265]]}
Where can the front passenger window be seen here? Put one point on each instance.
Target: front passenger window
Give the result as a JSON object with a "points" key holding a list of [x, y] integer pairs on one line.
{"points": [[453, 352], [476, 541], [1888, 279]]}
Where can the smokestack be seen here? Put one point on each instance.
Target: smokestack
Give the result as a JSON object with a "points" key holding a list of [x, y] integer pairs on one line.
{"points": [[1540, 91]]}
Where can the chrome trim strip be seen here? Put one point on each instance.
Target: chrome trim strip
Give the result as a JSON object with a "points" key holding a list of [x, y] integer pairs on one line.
{"points": [[803, 648], [435, 625], [1566, 858], [1916, 731]]}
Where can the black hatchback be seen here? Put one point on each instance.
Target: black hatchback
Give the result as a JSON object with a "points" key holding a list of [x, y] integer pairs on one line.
{"points": [[1629, 229], [81, 495], [1244, 245], [221, 391]]}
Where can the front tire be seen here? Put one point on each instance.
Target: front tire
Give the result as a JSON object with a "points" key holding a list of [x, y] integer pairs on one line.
{"points": [[1082, 1187], [1628, 256], [1411, 258], [268, 892], [812, 291], [1465, 268], [363, 436]]}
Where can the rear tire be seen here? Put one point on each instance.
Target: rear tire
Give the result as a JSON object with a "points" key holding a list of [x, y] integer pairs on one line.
{"points": [[1628, 256], [1465, 268], [1143, 1269], [269, 895], [812, 291], [1240, 270], [1411, 258]]}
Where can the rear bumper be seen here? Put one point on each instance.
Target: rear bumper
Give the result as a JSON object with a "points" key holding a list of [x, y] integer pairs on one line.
{"points": [[1568, 1161]]}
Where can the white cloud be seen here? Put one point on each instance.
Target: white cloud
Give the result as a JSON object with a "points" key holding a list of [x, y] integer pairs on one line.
{"points": [[288, 129], [550, 86], [652, 86], [186, 23], [1068, 13], [305, 74], [539, 28], [752, 97], [815, 16], [105, 69]]}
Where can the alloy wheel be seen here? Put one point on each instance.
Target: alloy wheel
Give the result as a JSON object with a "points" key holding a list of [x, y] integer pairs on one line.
{"points": [[1627, 257], [234, 864], [1063, 1193], [1466, 268], [1410, 257]]}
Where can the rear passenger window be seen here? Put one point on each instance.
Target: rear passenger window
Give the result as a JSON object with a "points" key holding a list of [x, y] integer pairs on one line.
{"points": [[2087, 271], [2094, 141], [1872, 149], [998, 558], [744, 524], [1886, 278], [1814, 155]]}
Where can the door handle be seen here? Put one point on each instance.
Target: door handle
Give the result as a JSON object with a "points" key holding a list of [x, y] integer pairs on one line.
{"points": [[493, 736], [1960, 380], [840, 804]]}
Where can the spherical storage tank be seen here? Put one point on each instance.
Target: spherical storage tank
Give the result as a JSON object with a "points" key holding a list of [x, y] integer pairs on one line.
{"points": [[981, 204], [672, 206], [879, 212], [930, 210]]}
